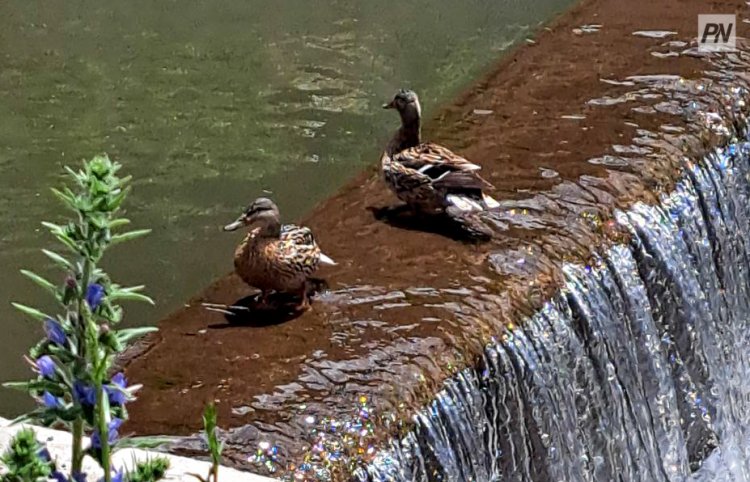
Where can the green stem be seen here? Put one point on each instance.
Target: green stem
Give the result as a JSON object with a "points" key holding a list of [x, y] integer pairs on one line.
{"points": [[77, 446], [103, 431], [82, 321], [81, 328]]}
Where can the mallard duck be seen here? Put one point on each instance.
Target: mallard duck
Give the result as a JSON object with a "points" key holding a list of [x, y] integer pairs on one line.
{"points": [[426, 176], [273, 257]]}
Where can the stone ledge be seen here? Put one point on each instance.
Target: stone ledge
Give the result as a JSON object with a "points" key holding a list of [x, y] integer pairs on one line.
{"points": [[58, 443]]}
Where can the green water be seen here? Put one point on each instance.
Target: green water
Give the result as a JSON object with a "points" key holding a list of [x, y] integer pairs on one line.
{"points": [[208, 105]]}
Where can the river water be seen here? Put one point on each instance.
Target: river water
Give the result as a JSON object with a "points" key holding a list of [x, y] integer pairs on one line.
{"points": [[208, 105]]}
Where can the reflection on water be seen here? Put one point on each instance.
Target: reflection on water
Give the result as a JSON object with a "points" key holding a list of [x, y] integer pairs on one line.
{"points": [[207, 105]]}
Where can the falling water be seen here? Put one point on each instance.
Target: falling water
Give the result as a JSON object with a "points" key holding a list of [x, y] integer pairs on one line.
{"points": [[636, 371]]}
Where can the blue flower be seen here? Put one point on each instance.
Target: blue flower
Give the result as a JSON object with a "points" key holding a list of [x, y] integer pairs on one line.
{"points": [[51, 401], [94, 296], [117, 476], [112, 434], [84, 394], [44, 454], [60, 477], [55, 332], [46, 366], [79, 477], [116, 390]]}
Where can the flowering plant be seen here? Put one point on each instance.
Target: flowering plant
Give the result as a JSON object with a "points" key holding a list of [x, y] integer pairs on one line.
{"points": [[76, 385]]}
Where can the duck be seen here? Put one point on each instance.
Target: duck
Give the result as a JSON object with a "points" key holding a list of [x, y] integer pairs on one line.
{"points": [[275, 257], [426, 176]]}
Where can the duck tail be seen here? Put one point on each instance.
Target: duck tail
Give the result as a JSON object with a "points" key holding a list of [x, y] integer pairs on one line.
{"points": [[463, 203], [467, 204], [490, 202], [324, 259]]}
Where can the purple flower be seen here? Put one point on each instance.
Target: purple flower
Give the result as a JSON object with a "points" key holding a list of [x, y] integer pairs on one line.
{"points": [[46, 366], [112, 435], [51, 401], [94, 296], [84, 394], [116, 390], [55, 332]]}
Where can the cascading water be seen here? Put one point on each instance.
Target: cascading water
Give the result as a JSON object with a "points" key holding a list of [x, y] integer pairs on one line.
{"points": [[637, 370], [633, 371]]}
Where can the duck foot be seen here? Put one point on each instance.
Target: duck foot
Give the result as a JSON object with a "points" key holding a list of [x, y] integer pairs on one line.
{"points": [[304, 303], [224, 309]]}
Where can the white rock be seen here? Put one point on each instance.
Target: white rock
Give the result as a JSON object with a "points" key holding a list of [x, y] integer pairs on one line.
{"points": [[58, 443]]}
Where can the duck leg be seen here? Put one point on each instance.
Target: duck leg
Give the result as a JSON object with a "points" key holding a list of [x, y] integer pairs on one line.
{"points": [[304, 303], [263, 300]]}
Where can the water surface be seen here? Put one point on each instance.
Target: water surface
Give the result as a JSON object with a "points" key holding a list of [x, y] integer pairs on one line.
{"points": [[209, 105]]}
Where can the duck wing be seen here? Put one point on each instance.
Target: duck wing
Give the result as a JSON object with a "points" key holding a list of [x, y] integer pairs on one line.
{"points": [[297, 235], [444, 168], [299, 243], [460, 182], [433, 160]]}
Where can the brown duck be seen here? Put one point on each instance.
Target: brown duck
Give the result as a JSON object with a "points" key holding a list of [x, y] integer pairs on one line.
{"points": [[275, 257], [426, 176]]}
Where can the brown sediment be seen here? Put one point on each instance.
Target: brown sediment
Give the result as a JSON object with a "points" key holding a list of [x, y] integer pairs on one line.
{"points": [[406, 307]]}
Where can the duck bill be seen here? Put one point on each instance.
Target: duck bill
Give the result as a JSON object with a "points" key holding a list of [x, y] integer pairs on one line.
{"points": [[235, 225], [389, 105]]}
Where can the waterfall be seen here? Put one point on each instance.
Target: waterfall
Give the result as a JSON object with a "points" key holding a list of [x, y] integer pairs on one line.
{"points": [[637, 370]]}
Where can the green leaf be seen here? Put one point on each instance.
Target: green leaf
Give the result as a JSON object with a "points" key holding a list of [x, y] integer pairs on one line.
{"points": [[54, 228], [133, 289], [68, 242], [65, 198], [146, 442], [32, 312], [122, 181], [124, 336], [61, 261], [149, 470], [77, 175], [21, 386], [116, 223], [130, 296], [115, 202], [121, 238], [37, 385], [24, 418], [59, 232], [47, 285]]}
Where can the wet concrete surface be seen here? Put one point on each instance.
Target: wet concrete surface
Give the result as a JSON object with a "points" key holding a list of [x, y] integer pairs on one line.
{"points": [[565, 137]]}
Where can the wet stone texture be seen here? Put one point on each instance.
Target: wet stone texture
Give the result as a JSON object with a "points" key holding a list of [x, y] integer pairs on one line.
{"points": [[587, 119]]}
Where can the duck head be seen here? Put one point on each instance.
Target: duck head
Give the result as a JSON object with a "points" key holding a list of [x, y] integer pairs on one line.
{"points": [[262, 211], [406, 103]]}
